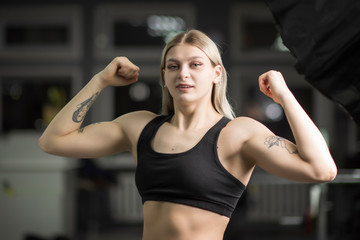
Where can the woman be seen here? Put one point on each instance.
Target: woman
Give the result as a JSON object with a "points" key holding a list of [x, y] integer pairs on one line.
{"points": [[194, 161]]}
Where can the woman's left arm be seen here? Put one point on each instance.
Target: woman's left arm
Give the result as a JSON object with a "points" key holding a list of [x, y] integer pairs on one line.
{"points": [[309, 160]]}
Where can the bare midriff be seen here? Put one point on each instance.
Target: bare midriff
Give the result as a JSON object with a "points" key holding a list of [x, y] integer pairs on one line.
{"points": [[171, 221]]}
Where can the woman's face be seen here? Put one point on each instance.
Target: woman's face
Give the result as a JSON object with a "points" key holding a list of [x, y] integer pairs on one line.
{"points": [[189, 74]]}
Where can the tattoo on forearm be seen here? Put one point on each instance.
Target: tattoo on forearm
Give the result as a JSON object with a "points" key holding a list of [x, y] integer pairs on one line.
{"points": [[83, 108], [280, 142]]}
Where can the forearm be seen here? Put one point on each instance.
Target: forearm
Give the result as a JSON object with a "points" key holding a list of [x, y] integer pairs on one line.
{"points": [[310, 143], [70, 118]]}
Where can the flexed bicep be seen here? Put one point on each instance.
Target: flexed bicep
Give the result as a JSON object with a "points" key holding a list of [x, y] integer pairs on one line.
{"points": [[276, 155], [279, 157], [272, 141], [65, 125], [92, 141]]}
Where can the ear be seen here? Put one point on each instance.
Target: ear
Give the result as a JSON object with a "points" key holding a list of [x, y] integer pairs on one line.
{"points": [[218, 74]]}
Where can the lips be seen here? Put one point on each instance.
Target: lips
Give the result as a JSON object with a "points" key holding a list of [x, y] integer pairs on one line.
{"points": [[184, 86]]}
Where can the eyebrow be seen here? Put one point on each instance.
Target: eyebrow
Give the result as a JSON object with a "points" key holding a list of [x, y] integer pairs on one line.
{"points": [[189, 59]]}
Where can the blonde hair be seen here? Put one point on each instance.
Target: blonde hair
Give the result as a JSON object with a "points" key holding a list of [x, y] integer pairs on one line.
{"points": [[203, 42]]}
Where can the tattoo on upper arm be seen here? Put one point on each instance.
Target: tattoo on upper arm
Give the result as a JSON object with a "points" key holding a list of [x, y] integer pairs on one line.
{"points": [[81, 130], [280, 142], [83, 108]]}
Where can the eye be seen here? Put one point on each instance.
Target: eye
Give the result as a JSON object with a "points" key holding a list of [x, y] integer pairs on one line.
{"points": [[172, 66], [196, 64]]}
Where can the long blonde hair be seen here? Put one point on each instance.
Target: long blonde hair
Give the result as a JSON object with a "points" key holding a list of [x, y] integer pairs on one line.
{"points": [[203, 42]]}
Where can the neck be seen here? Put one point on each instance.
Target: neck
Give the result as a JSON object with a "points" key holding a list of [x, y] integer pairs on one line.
{"points": [[194, 118]]}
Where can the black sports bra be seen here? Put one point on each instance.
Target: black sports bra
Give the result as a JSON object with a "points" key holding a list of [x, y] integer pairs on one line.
{"points": [[194, 177]]}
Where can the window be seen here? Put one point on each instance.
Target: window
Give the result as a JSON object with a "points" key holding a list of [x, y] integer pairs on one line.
{"points": [[39, 33], [30, 103], [36, 35], [138, 31], [31, 96]]}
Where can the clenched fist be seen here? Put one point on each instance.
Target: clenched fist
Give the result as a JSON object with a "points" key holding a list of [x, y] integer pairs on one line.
{"points": [[120, 72]]}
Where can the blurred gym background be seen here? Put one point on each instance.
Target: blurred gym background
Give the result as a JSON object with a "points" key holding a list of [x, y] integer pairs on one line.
{"points": [[50, 49]]}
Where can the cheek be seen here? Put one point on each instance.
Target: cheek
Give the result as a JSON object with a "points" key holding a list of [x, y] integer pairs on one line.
{"points": [[208, 79], [168, 76]]}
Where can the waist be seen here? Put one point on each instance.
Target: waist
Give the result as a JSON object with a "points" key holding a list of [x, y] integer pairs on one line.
{"points": [[172, 221]]}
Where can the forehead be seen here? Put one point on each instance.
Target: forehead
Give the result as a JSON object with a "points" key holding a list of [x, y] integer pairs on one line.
{"points": [[184, 52]]}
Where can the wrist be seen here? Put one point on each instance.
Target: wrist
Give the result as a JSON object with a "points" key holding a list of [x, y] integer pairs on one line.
{"points": [[286, 99], [99, 82]]}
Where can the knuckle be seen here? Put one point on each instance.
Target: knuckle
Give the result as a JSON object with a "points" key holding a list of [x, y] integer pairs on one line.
{"points": [[120, 58]]}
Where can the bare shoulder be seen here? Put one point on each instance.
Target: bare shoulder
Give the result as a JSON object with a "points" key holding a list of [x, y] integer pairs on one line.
{"points": [[247, 127], [242, 130], [137, 117], [133, 123], [134, 120]]}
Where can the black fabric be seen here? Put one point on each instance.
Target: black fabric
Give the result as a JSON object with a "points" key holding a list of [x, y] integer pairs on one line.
{"points": [[195, 177], [324, 36]]}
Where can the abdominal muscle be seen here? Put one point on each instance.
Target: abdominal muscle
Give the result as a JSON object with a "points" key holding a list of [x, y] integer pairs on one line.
{"points": [[171, 221]]}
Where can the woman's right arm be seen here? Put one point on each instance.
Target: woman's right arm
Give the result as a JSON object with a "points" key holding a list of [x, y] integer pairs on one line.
{"points": [[65, 137]]}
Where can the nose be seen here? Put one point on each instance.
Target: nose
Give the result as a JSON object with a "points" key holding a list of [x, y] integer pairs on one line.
{"points": [[184, 72]]}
